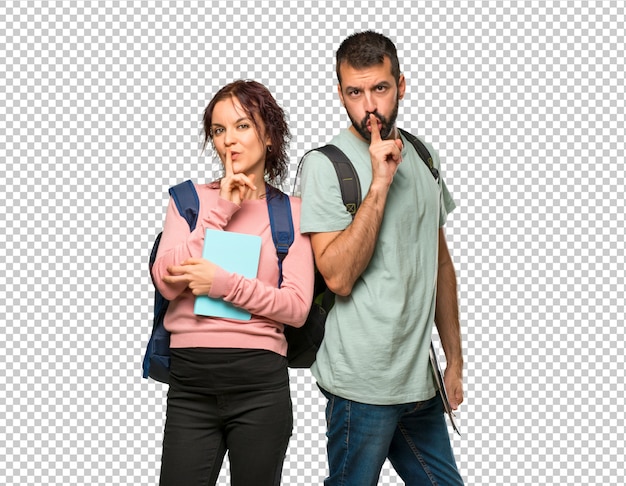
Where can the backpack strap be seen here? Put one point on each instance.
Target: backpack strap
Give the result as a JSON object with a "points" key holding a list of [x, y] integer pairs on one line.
{"points": [[281, 223], [348, 178], [187, 202], [422, 151]]}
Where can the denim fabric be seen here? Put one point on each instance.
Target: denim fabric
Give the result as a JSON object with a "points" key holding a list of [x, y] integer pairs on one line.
{"points": [[414, 436]]}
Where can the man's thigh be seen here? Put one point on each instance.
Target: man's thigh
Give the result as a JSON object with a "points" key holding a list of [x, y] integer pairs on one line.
{"points": [[359, 436], [420, 450]]}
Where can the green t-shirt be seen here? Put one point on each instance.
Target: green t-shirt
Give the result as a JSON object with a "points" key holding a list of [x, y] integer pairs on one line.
{"points": [[376, 345]]}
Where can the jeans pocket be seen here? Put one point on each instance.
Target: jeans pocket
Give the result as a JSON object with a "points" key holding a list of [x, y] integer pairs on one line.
{"points": [[329, 405]]}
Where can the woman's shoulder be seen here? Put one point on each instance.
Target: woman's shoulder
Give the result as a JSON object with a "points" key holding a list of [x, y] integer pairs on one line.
{"points": [[207, 189], [295, 201], [296, 209]]}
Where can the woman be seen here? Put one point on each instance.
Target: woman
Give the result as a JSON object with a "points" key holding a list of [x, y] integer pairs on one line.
{"points": [[229, 385]]}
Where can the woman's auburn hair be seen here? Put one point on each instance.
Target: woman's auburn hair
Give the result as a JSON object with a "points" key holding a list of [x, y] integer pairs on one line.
{"points": [[259, 105]]}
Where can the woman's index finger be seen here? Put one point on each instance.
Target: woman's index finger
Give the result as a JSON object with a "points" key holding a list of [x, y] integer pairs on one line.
{"points": [[228, 163]]}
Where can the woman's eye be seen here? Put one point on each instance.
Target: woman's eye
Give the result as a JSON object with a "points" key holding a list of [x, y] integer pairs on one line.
{"points": [[217, 131]]}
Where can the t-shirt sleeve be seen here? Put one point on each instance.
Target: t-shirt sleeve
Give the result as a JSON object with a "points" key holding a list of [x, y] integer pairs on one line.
{"points": [[447, 204], [322, 206]]}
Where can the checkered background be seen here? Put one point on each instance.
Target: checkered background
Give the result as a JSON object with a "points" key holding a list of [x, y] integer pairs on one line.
{"points": [[100, 109]]}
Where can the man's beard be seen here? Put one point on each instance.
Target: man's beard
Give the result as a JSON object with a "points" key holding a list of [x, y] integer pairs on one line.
{"points": [[387, 123]]}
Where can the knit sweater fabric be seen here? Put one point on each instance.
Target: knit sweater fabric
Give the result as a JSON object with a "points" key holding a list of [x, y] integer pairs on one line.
{"points": [[271, 308]]}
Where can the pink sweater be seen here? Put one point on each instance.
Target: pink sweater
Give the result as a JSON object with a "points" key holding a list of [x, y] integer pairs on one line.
{"points": [[270, 306]]}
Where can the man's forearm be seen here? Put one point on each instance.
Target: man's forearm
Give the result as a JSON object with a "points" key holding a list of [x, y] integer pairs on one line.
{"points": [[345, 258], [447, 316]]}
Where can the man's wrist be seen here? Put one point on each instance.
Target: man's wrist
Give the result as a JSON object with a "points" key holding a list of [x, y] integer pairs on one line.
{"points": [[455, 366]]}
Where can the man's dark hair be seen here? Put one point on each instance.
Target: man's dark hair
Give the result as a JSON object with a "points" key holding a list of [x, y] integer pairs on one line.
{"points": [[366, 49]]}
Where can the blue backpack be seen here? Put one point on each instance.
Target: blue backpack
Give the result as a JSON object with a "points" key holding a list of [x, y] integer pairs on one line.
{"points": [[156, 362]]}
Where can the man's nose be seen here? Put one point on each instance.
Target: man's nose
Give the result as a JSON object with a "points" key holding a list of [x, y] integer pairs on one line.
{"points": [[369, 103]]}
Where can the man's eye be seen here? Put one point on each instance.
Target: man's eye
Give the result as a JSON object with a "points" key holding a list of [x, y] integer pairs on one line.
{"points": [[353, 92]]}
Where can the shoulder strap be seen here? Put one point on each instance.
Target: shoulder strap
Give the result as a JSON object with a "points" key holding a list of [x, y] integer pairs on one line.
{"points": [[422, 151], [187, 202], [281, 223], [348, 178], [188, 205]]}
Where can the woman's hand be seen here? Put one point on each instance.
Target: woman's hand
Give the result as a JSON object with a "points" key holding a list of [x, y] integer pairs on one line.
{"points": [[235, 187], [197, 273]]}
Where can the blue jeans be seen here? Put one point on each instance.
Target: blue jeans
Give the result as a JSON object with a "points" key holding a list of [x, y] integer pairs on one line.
{"points": [[414, 436]]}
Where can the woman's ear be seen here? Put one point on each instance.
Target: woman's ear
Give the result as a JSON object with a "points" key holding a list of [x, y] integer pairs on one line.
{"points": [[268, 142]]}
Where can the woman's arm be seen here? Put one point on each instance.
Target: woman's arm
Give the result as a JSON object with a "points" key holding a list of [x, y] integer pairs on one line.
{"points": [[260, 296], [178, 244]]}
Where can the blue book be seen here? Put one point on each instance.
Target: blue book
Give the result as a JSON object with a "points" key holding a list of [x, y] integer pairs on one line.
{"points": [[236, 253]]}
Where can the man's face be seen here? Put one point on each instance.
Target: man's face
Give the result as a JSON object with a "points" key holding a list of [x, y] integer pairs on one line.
{"points": [[371, 90]]}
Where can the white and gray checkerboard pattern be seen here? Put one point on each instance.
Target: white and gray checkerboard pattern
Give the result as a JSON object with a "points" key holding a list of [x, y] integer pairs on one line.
{"points": [[100, 108]]}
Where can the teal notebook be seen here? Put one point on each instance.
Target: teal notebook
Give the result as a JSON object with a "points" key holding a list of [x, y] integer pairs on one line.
{"points": [[236, 253]]}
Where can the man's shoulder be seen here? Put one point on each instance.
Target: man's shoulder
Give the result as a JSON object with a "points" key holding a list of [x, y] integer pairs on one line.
{"points": [[429, 146], [338, 140], [318, 159]]}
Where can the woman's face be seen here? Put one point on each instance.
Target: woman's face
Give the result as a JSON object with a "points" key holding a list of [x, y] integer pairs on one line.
{"points": [[232, 129]]}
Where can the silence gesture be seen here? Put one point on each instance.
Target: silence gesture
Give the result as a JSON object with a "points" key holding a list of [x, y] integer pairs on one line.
{"points": [[235, 187], [386, 155]]}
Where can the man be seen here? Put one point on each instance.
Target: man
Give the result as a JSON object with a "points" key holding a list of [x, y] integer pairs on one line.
{"points": [[393, 276]]}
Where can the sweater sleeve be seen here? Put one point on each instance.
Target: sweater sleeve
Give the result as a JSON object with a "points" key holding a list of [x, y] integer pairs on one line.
{"points": [[289, 304], [178, 243]]}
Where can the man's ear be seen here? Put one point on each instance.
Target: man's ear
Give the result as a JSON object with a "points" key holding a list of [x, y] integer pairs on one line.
{"points": [[401, 86], [340, 94]]}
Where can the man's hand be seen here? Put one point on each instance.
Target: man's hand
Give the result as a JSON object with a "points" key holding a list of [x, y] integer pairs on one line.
{"points": [[197, 273], [235, 187], [342, 256], [453, 382], [386, 155]]}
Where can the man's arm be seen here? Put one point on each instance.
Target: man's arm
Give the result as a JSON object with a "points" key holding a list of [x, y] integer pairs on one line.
{"points": [[342, 256], [447, 321]]}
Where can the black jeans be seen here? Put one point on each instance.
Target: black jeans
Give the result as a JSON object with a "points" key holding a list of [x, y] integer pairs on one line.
{"points": [[226, 400]]}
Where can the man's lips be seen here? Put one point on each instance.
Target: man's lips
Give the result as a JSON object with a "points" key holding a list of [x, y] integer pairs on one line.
{"points": [[369, 125]]}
